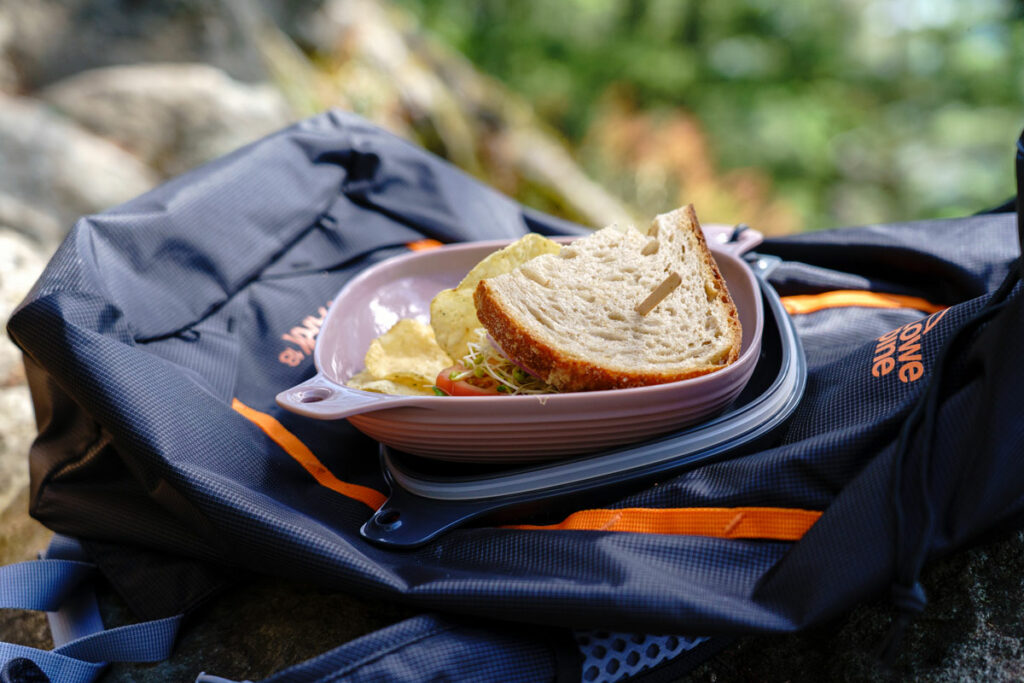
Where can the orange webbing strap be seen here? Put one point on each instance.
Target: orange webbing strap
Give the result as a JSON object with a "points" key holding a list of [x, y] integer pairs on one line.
{"points": [[780, 524], [423, 245], [302, 455], [809, 303]]}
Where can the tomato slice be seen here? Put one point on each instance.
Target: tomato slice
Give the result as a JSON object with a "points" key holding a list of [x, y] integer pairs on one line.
{"points": [[471, 386]]}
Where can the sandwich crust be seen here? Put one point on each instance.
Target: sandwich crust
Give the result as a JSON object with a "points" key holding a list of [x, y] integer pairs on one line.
{"points": [[553, 357]]}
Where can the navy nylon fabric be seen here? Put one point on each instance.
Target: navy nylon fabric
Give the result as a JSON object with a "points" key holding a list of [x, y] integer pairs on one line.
{"points": [[153, 317], [409, 650]]}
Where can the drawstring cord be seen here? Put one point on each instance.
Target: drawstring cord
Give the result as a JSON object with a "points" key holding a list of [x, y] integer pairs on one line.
{"points": [[907, 593]]}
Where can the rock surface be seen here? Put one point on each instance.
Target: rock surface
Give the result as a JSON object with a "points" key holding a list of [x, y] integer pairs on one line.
{"points": [[971, 630], [59, 169], [21, 262], [173, 117], [21, 539], [47, 40]]}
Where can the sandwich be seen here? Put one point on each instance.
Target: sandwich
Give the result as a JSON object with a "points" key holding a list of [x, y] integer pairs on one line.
{"points": [[616, 309], [612, 310]]}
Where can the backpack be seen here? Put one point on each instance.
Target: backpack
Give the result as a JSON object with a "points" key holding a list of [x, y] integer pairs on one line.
{"points": [[161, 331]]}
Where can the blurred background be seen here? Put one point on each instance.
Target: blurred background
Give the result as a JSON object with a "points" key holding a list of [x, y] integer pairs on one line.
{"points": [[792, 116], [788, 116]]}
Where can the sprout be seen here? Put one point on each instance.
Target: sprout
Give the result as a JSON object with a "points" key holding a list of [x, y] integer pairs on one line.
{"points": [[487, 361]]}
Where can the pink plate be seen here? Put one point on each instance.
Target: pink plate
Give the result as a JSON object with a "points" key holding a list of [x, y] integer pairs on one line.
{"points": [[504, 428]]}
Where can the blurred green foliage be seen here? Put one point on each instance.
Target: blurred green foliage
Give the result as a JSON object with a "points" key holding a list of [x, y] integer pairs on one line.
{"points": [[857, 111]]}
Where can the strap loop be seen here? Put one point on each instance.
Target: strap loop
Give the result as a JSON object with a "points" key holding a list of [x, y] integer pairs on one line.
{"points": [[58, 584], [54, 665], [22, 670]]}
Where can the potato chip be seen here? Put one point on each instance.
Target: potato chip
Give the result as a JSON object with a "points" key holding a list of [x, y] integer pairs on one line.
{"points": [[406, 353], [453, 317], [360, 378], [453, 313], [367, 382]]}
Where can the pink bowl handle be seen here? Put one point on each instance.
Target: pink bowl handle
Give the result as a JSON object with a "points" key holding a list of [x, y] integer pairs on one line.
{"points": [[319, 397]]}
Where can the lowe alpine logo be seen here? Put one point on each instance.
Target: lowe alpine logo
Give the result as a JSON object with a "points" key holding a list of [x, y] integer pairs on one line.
{"points": [[900, 350], [302, 337]]}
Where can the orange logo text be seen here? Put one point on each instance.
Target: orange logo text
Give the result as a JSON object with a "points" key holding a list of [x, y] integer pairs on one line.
{"points": [[302, 338], [900, 350]]}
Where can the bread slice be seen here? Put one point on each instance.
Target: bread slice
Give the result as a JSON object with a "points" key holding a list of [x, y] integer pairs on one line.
{"points": [[616, 309]]}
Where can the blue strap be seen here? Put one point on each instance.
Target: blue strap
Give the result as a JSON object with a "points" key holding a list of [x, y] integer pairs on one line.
{"points": [[149, 641], [42, 585], [78, 616], [65, 548], [59, 585], [56, 667]]}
